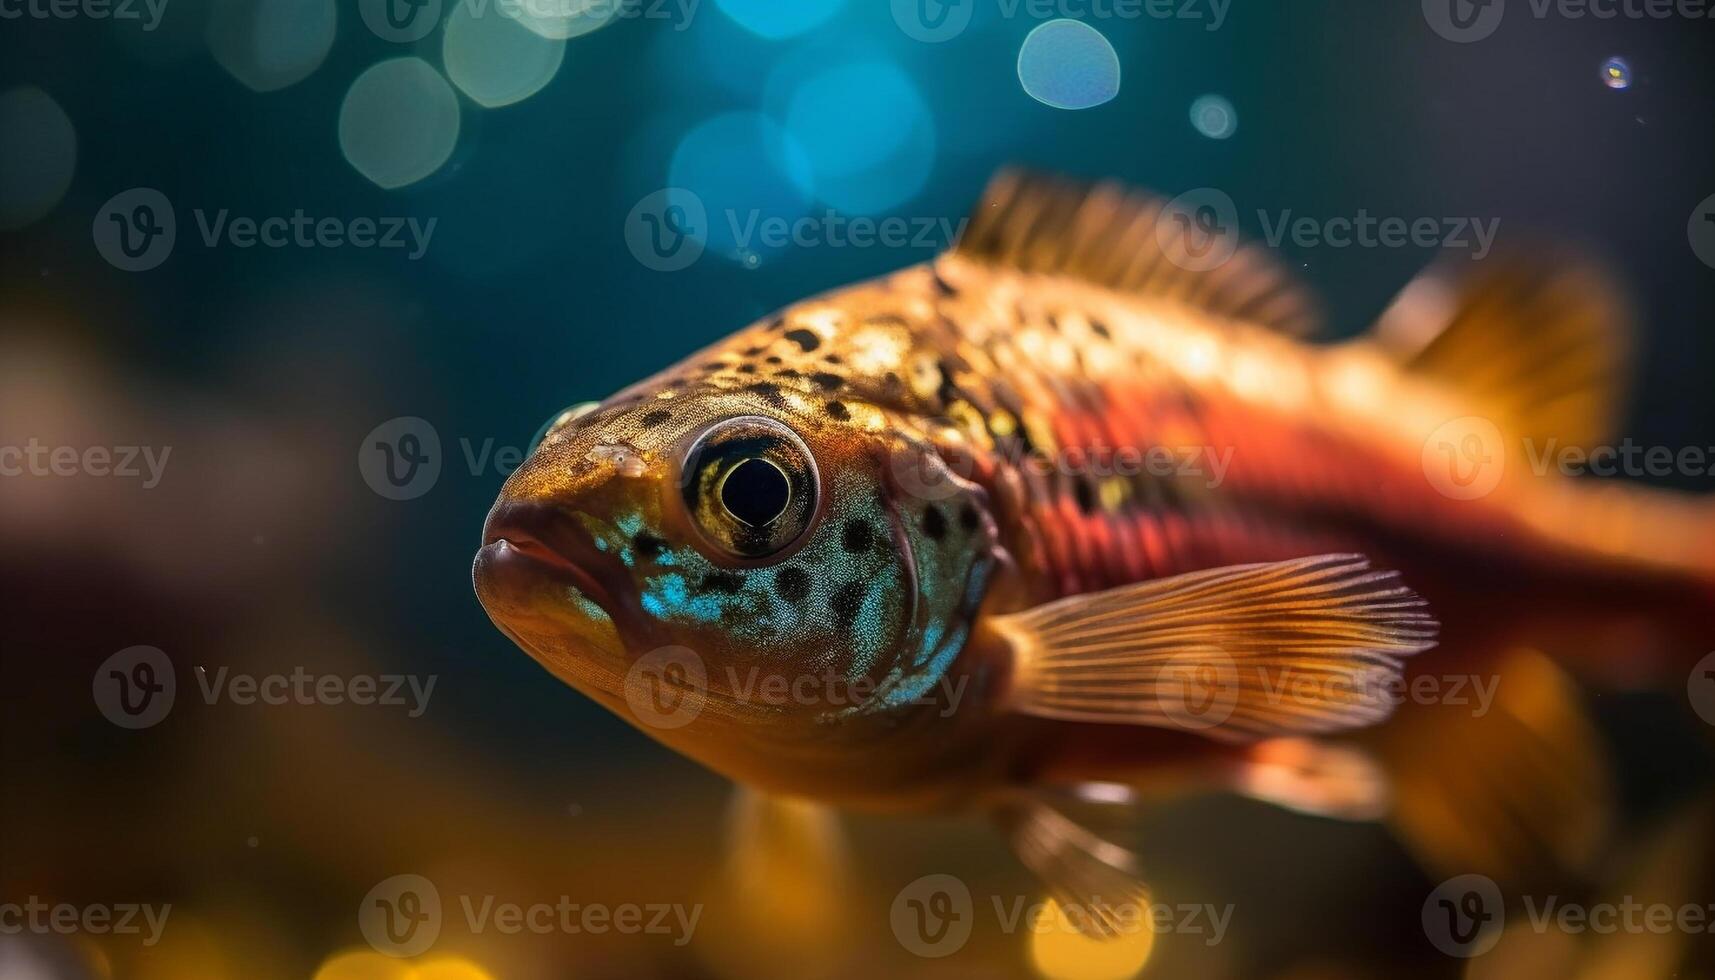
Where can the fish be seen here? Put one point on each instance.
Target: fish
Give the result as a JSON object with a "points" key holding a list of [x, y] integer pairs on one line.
{"points": [[1082, 511]]}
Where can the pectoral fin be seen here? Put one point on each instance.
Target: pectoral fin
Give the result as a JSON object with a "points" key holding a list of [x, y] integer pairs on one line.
{"points": [[1307, 646], [1081, 869]]}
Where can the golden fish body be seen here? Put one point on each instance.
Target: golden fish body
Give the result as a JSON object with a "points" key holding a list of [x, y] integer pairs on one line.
{"points": [[968, 532]]}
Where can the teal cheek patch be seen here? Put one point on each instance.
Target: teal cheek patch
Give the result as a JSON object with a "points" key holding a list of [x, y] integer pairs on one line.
{"points": [[670, 599]]}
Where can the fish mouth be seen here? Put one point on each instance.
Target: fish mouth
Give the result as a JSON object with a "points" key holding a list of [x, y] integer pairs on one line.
{"points": [[546, 585]]}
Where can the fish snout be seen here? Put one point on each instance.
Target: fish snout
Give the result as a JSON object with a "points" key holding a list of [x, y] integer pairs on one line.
{"points": [[537, 558]]}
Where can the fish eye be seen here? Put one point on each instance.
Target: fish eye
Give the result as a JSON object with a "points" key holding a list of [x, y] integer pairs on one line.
{"points": [[750, 486]]}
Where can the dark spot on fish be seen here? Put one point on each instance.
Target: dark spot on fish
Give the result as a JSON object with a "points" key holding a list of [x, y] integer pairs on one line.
{"points": [[1084, 494], [727, 582], [833, 359], [713, 365], [891, 384], [827, 381], [838, 410], [754, 351], [1053, 321], [657, 417], [1101, 330], [747, 369], [934, 523], [805, 339], [787, 373], [648, 545], [778, 324], [793, 583], [942, 286], [968, 518], [859, 537], [847, 602], [775, 359], [769, 392]]}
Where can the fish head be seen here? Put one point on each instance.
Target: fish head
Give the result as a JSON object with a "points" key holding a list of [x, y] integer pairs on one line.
{"points": [[765, 546]]}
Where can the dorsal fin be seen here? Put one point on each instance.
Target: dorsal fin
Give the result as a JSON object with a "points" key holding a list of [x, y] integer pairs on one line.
{"points": [[1540, 343], [1129, 242]]}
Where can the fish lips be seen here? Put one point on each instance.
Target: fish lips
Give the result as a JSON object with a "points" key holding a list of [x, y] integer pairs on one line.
{"points": [[545, 584]]}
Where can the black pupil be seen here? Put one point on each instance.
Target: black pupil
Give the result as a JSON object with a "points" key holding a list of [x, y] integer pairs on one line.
{"points": [[756, 492]]}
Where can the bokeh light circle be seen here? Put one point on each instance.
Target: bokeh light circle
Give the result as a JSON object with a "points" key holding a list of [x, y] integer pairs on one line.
{"points": [[270, 44], [867, 133], [1061, 951], [399, 122], [494, 59], [39, 158], [560, 20], [1214, 117], [1068, 64], [779, 19], [1617, 73], [749, 173]]}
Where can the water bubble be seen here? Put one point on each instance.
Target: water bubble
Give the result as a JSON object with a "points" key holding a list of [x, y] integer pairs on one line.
{"points": [[40, 155], [1617, 73], [1068, 64], [1214, 117], [399, 122]]}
